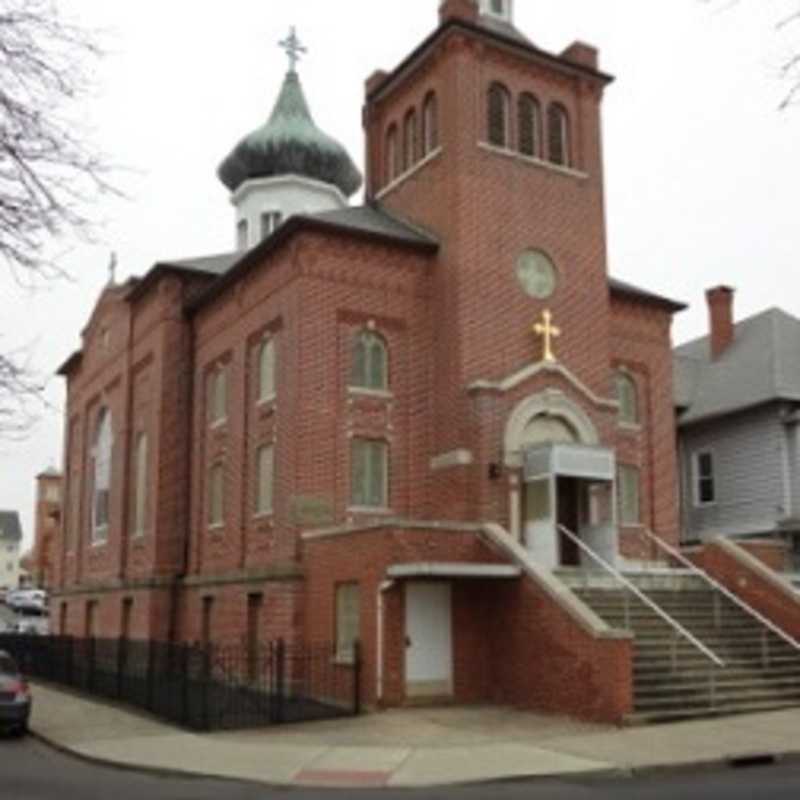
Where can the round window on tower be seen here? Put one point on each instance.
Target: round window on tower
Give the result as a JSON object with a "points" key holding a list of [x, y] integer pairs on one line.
{"points": [[537, 274]]}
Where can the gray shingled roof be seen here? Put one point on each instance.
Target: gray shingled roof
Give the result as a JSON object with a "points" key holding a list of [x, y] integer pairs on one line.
{"points": [[371, 219], [10, 526], [628, 288], [211, 265], [761, 365]]}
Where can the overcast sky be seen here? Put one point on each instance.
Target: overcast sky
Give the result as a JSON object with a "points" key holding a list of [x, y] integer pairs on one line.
{"points": [[702, 171]]}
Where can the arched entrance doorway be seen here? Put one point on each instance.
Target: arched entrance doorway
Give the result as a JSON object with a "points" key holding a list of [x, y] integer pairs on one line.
{"points": [[567, 482]]}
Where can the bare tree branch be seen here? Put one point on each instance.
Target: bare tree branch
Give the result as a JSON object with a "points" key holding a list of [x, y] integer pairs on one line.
{"points": [[49, 172]]}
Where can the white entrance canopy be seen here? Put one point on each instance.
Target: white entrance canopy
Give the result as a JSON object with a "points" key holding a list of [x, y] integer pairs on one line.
{"points": [[455, 570], [569, 461]]}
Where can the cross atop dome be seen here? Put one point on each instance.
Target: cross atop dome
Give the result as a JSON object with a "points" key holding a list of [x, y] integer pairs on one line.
{"points": [[294, 48]]}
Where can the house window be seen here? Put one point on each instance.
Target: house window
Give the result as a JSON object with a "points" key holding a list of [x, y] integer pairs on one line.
{"points": [[627, 397], [629, 497], [216, 496], [140, 485], [266, 479], [392, 155], [270, 222], [348, 620], [530, 125], [242, 234], [430, 124], [369, 473], [410, 148], [370, 362], [704, 487], [217, 396], [52, 494], [101, 500], [558, 135], [266, 370], [499, 115]]}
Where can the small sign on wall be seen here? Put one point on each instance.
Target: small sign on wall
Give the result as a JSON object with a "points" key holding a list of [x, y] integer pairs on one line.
{"points": [[311, 511]]}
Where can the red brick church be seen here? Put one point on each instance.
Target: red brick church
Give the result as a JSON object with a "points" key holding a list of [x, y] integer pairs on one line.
{"points": [[370, 422]]}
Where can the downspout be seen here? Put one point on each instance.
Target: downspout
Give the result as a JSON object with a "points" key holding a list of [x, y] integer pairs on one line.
{"points": [[382, 589]]}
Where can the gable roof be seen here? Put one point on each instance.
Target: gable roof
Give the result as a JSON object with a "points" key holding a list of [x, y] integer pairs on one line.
{"points": [[10, 526], [761, 365]]}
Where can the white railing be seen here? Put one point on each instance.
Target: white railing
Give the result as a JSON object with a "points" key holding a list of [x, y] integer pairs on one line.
{"points": [[642, 597], [678, 556]]}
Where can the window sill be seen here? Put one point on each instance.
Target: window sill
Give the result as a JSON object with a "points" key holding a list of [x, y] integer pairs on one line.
{"points": [[395, 182], [381, 511], [533, 161], [265, 402], [342, 660], [264, 516], [218, 527], [629, 427], [220, 423], [376, 394]]}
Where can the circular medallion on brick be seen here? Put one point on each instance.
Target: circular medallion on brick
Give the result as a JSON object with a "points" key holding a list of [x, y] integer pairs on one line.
{"points": [[537, 274]]}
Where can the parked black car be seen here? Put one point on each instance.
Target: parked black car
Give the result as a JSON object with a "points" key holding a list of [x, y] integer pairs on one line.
{"points": [[15, 697]]}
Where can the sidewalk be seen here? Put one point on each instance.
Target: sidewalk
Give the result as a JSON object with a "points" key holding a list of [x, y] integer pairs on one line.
{"points": [[405, 748]]}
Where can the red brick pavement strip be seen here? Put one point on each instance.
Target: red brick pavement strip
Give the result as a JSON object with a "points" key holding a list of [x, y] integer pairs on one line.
{"points": [[342, 778]]}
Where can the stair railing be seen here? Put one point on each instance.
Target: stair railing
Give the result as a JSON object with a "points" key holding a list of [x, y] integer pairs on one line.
{"points": [[651, 604], [767, 623]]}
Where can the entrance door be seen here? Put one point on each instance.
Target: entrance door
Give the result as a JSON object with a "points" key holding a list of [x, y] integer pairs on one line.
{"points": [[568, 490], [429, 640]]}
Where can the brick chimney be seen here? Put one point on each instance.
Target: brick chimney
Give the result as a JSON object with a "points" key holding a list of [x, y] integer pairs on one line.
{"points": [[466, 10], [720, 311]]}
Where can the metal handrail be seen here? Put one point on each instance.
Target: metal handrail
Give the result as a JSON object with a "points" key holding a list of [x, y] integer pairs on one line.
{"points": [[722, 590], [639, 594]]}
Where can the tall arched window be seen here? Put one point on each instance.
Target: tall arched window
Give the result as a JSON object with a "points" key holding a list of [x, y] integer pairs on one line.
{"points": [[627, 397], [101, 485], [140, 485], [529, 120], [430, 124], [265, 479], [558, 138], [410, 148], [392, 154], [499, 116], [266, 370], [370, 362]]}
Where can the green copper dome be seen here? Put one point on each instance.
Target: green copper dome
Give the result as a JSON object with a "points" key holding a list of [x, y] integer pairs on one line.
{"points": [[290, 143]]}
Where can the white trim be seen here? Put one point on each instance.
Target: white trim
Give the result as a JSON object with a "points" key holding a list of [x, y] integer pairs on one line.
{"points": [[455, 458], [266, 401], [533, 161], [454, 570], [380, 510], [378, 394], [408, 173], [531, 371], [281, 180], [440, 526]]}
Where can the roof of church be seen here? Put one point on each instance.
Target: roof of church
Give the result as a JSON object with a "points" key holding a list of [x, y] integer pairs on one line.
{"points": [[503, 28], [10, 526], [289, 143], [624, 288], [762, 364]]}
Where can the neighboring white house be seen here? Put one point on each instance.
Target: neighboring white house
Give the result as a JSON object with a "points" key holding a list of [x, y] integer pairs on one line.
{"points": [[10, 545]]}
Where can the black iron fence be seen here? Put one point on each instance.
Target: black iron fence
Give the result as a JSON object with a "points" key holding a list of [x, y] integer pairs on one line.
{"points": [[202, 688]]}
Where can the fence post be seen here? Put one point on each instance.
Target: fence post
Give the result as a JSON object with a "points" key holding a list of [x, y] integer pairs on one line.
{"points": [[91, 643], [121, 658], [280, 678], [185, 664], [151, 675], [356, 678]]}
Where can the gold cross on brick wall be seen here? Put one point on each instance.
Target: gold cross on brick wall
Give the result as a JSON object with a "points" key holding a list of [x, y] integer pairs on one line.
{"points": [[548, 332]]}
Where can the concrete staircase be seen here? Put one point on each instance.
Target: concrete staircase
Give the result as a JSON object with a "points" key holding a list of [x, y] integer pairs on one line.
{"points": [[672, 679]]}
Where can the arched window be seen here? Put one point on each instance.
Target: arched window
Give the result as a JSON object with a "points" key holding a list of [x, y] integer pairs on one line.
{"points": [[627, 397], [499, 116], [101, 487], [217, 395], [430, 124], [392, 154], [529, 120], [216, 496], [410, 148], [370, 362], [558, 138], [140, 485], [266, 370]]}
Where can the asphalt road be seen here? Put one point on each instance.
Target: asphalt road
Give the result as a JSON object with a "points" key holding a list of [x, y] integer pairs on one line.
{"points": [[31, 771]]}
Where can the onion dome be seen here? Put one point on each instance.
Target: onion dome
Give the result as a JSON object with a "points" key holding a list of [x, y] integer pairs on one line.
{"points": [[290, 143]]}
